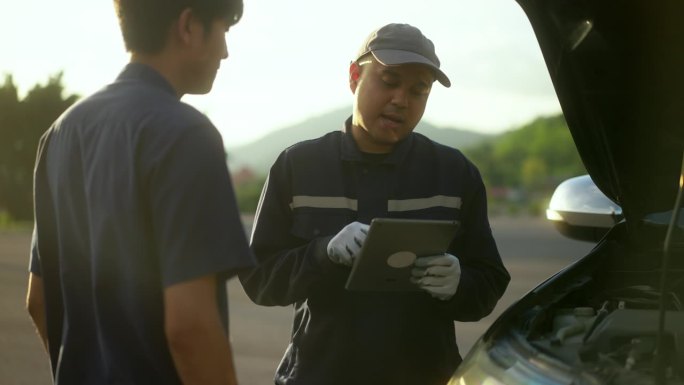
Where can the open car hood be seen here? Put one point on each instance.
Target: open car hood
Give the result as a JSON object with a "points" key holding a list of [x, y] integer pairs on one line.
{"points": [[618, 70]]}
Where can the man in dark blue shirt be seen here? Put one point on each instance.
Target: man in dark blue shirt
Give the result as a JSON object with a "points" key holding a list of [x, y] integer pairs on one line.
{"points": [[136, 225], [313, 217]]}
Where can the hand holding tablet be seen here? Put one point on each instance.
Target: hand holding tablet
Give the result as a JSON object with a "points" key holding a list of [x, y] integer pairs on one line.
{"points": [[345, 247], [391, 248], [439, 275]]}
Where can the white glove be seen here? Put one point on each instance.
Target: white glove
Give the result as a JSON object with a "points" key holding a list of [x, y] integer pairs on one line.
{"points": [[344, 247], [439, 275]]}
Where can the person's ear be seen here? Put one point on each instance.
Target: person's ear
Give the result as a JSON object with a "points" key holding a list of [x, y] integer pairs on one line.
{"points": [[354, 75], [187, 26]]}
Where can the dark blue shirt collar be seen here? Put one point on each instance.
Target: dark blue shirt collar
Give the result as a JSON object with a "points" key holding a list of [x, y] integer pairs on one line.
{"points": [[139, 72]]}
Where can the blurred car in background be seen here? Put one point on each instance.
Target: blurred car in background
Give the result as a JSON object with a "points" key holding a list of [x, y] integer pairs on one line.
{"points": [[616, 315]]}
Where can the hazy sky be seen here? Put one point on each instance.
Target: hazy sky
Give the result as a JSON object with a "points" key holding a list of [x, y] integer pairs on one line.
{"points": [[289, 59]]}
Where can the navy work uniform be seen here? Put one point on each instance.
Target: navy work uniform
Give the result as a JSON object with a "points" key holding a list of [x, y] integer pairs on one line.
{"points": [[317, 187], [132, 195]]}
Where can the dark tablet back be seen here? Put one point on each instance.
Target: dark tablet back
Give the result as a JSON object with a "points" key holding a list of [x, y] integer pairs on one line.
{"points": [[391, 247]]}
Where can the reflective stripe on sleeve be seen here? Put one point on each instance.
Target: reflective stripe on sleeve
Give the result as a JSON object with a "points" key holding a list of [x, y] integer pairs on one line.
{"points": [[424, 203], [324, 202]]}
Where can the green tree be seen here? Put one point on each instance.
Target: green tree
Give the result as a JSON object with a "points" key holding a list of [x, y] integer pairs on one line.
{"points": [[247, 194], [9, 117], [22, 122], [542, 150], [534, 173], [532, 160]]}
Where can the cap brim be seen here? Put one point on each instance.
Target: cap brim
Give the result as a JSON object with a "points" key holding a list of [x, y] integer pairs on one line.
{"points": [[390, 57]]}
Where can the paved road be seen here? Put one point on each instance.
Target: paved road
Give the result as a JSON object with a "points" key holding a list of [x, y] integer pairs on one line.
{"points": [[531, 249]]}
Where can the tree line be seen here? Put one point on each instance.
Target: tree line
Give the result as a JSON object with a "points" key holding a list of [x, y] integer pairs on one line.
{"points": [[527, 162], [22, 122], [520, 168], [534, 156]]}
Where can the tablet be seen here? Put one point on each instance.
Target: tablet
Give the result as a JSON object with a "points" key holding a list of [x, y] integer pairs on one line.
{"points": [[391, 247]]}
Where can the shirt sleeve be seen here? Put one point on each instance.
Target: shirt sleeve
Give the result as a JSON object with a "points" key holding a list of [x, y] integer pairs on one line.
{"points": [[34, 261], [289, 268], [195, 220], [43, 211], [482, 270]]}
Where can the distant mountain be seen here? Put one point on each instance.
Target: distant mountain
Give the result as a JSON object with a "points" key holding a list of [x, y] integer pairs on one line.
{"points": [[260, 154]]}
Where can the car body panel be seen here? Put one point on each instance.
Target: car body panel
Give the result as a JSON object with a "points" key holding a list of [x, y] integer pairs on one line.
{"points": [[618, 69]]}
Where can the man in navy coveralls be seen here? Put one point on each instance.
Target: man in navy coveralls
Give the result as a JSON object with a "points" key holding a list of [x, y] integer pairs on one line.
{"points": [[136, 225], [313, 217]]}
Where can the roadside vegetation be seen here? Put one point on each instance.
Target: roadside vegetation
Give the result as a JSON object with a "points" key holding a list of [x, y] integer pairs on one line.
{"points": [[520, 167], [22, 122]]}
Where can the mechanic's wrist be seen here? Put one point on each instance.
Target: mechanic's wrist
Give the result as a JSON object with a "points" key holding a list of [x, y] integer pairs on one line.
{"points": [[320, 249]]}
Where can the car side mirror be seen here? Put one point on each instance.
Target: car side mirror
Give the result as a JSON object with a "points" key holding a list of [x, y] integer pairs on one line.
{"points": [[579, 210]]}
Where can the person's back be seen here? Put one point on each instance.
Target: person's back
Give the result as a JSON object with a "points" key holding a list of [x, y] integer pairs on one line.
{"points": [[101, 160], [135, 223]]}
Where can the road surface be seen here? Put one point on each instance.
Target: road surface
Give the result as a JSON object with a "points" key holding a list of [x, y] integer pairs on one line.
{"points": [[531, 249]]}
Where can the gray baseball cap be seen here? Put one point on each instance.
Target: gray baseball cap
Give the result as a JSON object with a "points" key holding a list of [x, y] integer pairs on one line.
{"points": [[396, 44]]}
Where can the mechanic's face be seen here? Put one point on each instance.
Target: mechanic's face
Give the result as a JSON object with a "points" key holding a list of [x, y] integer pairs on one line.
{"points": [[388, 103], [209, 48]]}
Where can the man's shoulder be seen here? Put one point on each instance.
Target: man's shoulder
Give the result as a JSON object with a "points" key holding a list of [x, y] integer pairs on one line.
{"points": [[442, 157], [423, 144], [154, 102], [135, 104], [322, 145]]}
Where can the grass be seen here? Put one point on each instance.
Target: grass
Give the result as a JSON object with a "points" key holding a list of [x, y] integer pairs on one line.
{"points": [[8, 223]]}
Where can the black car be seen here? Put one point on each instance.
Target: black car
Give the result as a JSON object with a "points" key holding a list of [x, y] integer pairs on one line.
{"points": [[616, 316]]}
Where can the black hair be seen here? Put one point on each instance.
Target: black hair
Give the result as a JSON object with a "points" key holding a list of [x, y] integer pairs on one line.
{"points": [[145, 23]]}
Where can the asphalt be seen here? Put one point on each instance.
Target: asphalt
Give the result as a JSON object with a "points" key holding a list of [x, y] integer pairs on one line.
{"points": [[531, 249]]}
